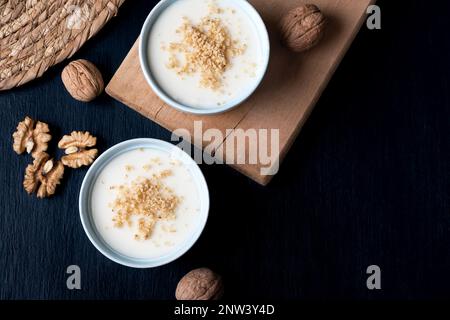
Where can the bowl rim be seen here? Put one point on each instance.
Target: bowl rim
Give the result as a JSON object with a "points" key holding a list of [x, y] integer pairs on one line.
{"points": [[85, 194], [143, 43]]}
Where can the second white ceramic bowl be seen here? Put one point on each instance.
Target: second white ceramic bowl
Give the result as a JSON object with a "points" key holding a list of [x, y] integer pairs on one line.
{"points": [[86, 193], [143, 56]]}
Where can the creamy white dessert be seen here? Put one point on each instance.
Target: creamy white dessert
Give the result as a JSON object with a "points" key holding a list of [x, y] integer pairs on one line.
{"points": [[144, 204], [205, 54]]}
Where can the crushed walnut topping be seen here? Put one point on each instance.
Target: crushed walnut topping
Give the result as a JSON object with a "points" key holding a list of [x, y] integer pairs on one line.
{"points": [[156, 161], [214, 9], [206, 48], [150, 200]]}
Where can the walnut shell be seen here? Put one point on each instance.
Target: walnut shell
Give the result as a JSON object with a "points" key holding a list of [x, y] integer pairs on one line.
{"points": [[200, 284], [303, 27], [83, 80]]}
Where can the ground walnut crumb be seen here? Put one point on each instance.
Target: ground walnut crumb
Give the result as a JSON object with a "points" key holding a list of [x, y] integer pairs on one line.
{"points": [[206, 48], [214, 9], [149, 200]]}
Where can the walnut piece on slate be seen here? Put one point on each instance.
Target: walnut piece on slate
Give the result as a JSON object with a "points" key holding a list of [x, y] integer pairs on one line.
{"points": [[200, 284], [77, 148], [31, 137], [83, 80], [43, 176]]}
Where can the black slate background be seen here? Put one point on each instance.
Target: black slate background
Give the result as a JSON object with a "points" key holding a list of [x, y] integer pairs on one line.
{"points": [[367, 182]]}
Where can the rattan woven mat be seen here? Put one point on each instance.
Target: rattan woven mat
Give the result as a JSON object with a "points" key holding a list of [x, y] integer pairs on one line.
{"points": [[37, 34]]}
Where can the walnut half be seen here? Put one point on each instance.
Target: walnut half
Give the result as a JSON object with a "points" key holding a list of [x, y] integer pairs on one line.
{"points": [[43, 176], [76, 148], [32, 137]]}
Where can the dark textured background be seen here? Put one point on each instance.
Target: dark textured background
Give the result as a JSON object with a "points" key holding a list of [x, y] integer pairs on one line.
{"points": [[367, 182]]}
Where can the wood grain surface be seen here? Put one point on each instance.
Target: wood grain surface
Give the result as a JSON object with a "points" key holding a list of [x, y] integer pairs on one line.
{"points": [[290, 90]]}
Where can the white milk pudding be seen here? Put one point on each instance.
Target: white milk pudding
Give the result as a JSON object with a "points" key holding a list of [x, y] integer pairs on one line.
{"points": [[144, 204], [205, 54]]}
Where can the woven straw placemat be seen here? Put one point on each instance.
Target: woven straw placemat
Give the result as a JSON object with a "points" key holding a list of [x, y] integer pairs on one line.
{"points": [[37, 34]]}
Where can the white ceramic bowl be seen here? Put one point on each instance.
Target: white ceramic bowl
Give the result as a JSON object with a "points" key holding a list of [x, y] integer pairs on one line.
{"points": [[86, 194], [143, 56]]}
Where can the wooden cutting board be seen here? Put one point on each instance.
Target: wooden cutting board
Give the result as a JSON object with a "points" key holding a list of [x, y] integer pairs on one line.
{"points": [[291, 88]]}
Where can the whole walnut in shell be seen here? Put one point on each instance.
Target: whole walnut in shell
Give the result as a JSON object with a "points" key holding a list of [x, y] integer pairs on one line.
{"points": [[303, 27], [83, 80], [200, 284]]}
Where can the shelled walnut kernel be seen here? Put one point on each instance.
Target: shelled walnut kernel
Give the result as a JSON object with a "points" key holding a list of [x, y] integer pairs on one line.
{"points": [[31, 137], [76, 148], [43, 176]]}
